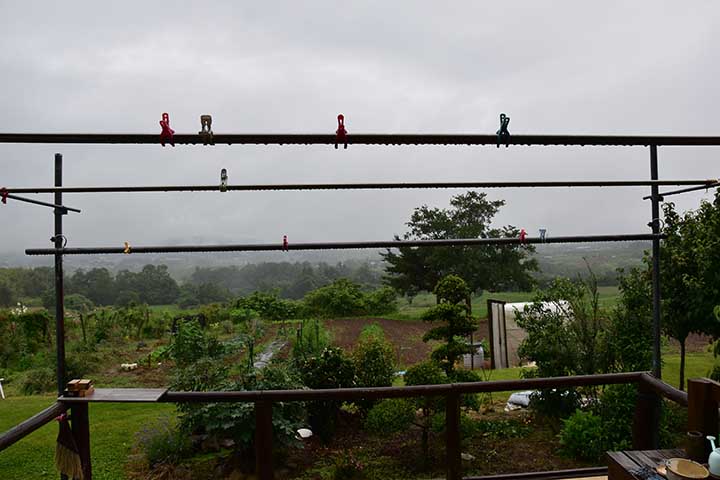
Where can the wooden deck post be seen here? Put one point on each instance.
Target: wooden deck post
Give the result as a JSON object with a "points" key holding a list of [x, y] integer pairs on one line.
{"points": [[646, 421], [702, 408], [263, 440], [81, 432], [452, 430]]}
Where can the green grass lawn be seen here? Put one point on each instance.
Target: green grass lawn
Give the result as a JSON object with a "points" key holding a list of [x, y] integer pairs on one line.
{"points": [[112, 434]]}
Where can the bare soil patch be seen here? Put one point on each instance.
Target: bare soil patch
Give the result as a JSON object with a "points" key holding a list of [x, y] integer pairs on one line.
{"points": [[406, 336]]}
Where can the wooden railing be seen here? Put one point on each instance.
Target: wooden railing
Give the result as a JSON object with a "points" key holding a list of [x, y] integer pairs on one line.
{"points": [[645, 426]]}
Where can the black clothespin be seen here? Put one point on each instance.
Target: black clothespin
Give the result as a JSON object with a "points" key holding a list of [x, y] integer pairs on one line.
{"points": [[542, 235], [503, 136], [223, 180], [206, 130]]}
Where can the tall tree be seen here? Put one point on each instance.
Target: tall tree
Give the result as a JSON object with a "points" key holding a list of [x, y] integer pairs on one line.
{"points": [[690, 273], [482, 267]]}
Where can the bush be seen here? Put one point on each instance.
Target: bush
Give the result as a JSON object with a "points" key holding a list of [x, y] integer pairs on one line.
{"points": [[237, 420], [582, 436], [38, 380], [390, 415], [191, 343], [331, 369], [163, 443], [381, 301], [269, 306], [374, 358], [79, 303], [342, 298], [347, 467]]}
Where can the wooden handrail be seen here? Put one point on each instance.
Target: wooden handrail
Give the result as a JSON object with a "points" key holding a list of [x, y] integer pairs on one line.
{"points": [[31, 424], [395, 392], [665, 390]]}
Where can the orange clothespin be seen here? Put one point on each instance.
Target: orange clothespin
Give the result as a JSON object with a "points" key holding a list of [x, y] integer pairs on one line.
{"points": [[126, 250]]}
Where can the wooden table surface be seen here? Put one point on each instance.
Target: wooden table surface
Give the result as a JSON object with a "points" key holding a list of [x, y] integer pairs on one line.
{"points": [[622, 464], [120, 395]]}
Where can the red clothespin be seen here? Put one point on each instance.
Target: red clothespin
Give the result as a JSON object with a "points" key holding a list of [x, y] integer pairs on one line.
{"points": [[341, 133], [3, 195], [523, 234], [166, 136], [285, 243]]}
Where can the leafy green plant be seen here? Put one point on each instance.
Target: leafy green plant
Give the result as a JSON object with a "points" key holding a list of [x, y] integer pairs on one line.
{"points": [[163, 443], [331, 369], [191, 343], [311, 339], [342, 298], [582, 436], [374, 358], [390, 415]]}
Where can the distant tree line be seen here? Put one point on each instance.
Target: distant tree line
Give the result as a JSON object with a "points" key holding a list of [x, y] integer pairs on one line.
{"points": [[153, 284], [290, 280]]}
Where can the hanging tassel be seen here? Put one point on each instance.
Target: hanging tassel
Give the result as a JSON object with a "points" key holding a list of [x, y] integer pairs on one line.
{"points": [[67, 454]]}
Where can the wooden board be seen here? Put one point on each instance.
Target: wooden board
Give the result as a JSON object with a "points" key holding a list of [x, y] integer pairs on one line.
{"points": [[120, 395], [620, 464]]}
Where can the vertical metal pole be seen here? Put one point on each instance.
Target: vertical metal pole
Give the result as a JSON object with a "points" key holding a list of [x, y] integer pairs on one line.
{"points": [[652, 400], [655, 201], [59, 286]]}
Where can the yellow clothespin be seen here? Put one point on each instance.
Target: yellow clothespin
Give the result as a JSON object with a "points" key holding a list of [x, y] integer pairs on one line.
{"points": [[127, 248]]}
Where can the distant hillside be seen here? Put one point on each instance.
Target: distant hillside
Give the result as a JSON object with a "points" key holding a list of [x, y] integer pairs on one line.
{"points": [[571, 260]]}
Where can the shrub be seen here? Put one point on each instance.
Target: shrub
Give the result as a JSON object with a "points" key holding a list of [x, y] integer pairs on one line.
{"points": [[342, 298], [381, 301], [192, 343], [163, 443], [347, 467], [79, 303], [270, 306], [374, 358], [38, 380], [237, 420], [331, 369], [582, 436], [390, 415]]}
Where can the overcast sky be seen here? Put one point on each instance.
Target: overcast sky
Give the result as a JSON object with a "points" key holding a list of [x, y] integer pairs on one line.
{"points": [[569, 67]]}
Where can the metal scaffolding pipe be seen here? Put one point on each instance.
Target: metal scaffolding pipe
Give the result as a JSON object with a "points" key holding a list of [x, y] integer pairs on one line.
{"points": [[361, 139], [707, 186], [44, 204], [699, 184], [460, 242]]}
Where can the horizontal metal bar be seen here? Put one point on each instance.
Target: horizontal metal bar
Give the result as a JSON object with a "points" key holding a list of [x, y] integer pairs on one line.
{"points": [[707, 186], [401, 392], [361, 139], [575, 473], [258, 247], [363, 186], [25, 428], [44, 204]]}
